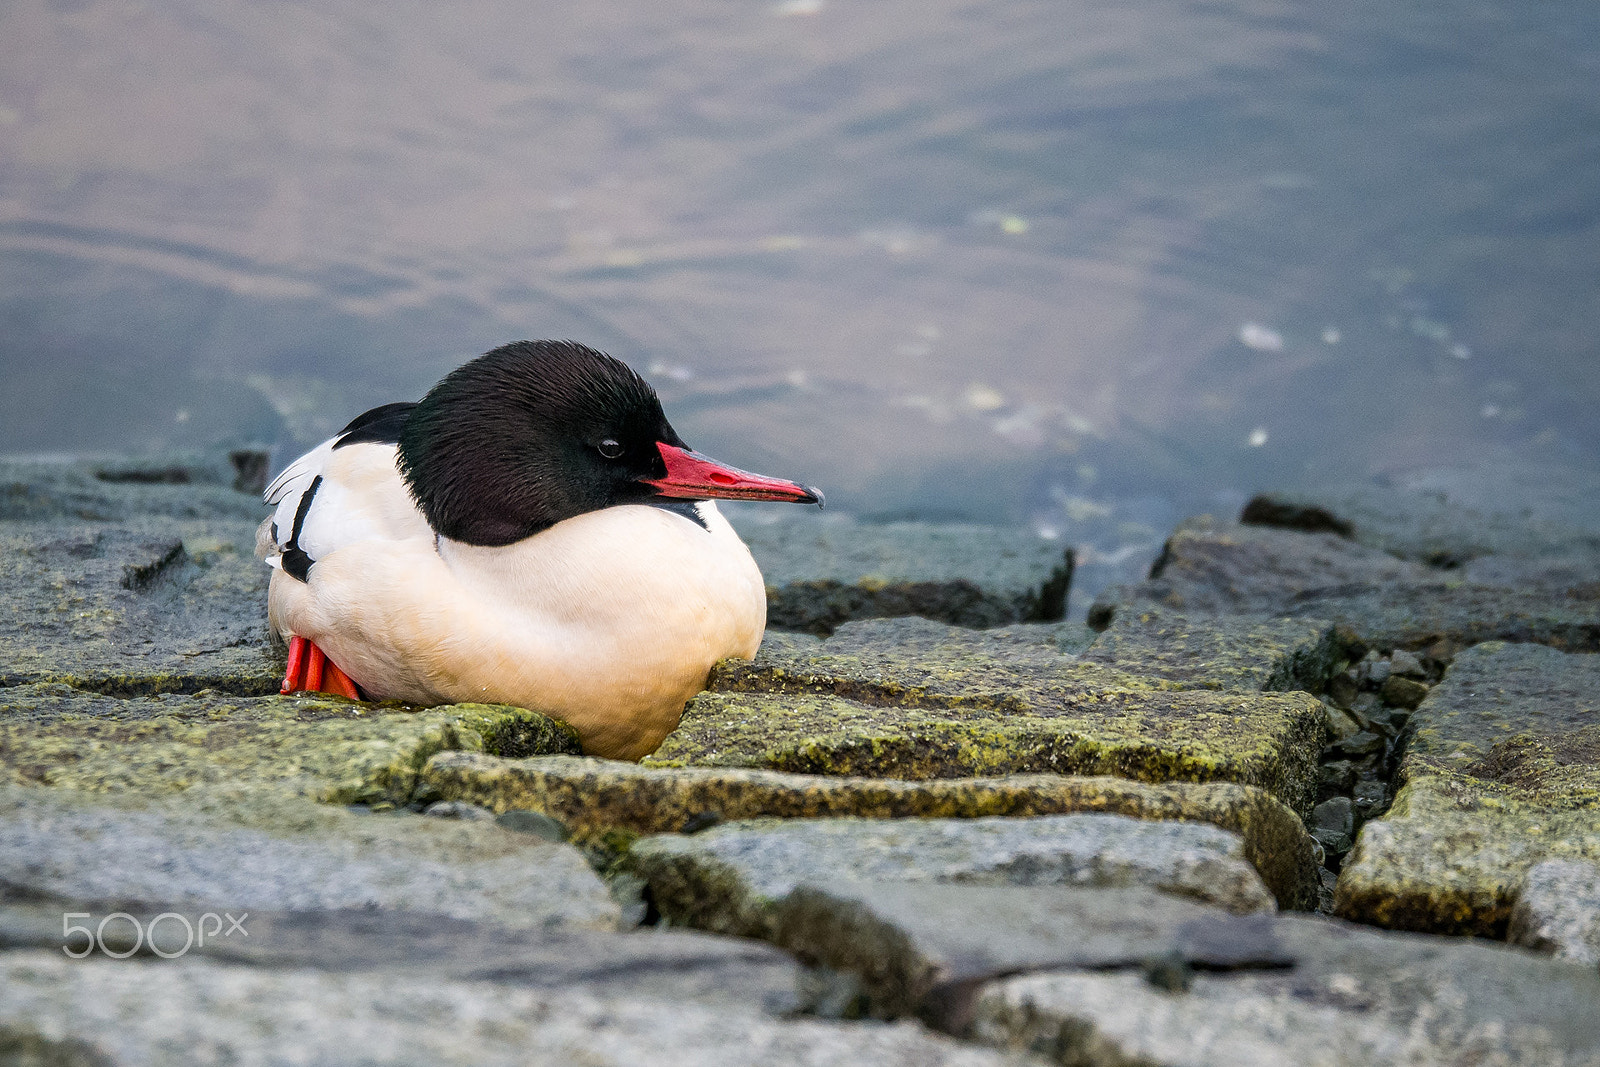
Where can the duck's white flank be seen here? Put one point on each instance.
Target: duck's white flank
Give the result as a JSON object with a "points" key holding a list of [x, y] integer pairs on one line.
{"points": [[609, 621]]}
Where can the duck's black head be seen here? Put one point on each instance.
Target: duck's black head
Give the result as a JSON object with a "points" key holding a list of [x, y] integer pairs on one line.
{"points": [[540, 431]]}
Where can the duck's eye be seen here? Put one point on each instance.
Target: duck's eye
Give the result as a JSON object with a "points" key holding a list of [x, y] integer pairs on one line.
{"points": [[610, 448]]}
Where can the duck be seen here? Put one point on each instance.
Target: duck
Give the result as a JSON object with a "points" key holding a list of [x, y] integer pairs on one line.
{"points": [[532, 532]]}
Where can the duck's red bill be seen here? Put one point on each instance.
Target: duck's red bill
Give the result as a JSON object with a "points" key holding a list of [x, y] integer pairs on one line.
{"points": [[691, 476]]}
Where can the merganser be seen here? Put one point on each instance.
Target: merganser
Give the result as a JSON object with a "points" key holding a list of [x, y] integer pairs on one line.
{"points": [[533, 532]]}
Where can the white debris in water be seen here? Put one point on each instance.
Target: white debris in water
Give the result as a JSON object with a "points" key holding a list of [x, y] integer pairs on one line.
{"points": [[1021, 428], [182, 415], [1261, 338], [929, 332], [1258, 437], [1006, 222], [1433, 330], [898, 240], [798, 378], [936, 410], [982, 397], [1331, 336], [1460, 351], [791, 8], [676, 372], [914, 349], [1490, 411]]}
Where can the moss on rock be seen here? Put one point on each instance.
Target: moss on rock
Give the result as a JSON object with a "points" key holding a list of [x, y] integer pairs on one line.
{"points": [[336, 750], [1503, 773], [595, 797], [909, 698]]}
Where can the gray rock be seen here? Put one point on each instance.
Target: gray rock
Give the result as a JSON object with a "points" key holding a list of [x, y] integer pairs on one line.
{"points": [[597, 797], [1335, 815], [734, 878], [927, 947], [1558, 910], [1501, 774], [458, 809], [671, 964], [1406, 664], [302, 856], [142, 606], [1496, 691], [187, 485], [1455, 516], [1387, 602], [823, 570], [1404, 692], [195, 1011], [1245, 652], [1355, 998]]}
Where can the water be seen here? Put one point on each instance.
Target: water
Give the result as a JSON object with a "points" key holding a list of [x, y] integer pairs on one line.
{"points": [[1086, 265]]}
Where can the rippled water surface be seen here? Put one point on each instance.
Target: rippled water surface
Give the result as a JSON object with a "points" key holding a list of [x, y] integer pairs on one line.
{"points": [[1083, 264]]}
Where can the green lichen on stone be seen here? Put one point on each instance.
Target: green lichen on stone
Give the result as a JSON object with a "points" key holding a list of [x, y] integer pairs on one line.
{"points": [[1451, 854], [908, 698], [332, 749], [136, 607], [1243, 652], [594, 797], [1503, 773]]}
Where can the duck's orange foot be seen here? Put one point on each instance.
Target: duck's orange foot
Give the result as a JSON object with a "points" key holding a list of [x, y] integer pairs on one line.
{"points": [[310, 671]]}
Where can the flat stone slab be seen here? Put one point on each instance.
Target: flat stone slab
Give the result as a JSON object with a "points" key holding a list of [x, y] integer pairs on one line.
{"points": [[671, 964], [1558, 910], [1503, 774], [185, 485], [257, 852], [734, 878], [1250, 653], [325, 747], [911, 698], [1451, 517], [196, 1011], [596, 797], [1389, 602], [823, 570], [923, 947], [1354, 998], [140, 606]]}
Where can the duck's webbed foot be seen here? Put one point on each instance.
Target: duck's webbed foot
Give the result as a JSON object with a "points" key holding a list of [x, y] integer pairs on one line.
{"points": [[310, 671]]}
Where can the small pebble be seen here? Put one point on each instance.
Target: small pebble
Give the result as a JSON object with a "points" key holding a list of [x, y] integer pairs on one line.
{"points": [[1406, 664], [1404, 692], [457, 809], [536, 823]]}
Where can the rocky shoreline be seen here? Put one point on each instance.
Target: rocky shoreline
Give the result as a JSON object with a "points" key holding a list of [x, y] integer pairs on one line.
{"points": [[1324, 788]]}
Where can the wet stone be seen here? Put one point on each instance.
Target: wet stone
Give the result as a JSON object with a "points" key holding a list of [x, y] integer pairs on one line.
{"points": [[141, 606], [924, 948], [262, 851], [1333, 824], [1241, 652], [1388, 602], [1354, 996], [737, 877], [1558, 910], [1502, 773], [1404, 692], [824, 570], [604, 799], [910, 698], [324, 747], [198, 1011]]}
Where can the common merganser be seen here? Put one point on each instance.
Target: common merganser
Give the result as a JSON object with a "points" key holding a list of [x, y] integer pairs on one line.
{"points": [[533, 532]]}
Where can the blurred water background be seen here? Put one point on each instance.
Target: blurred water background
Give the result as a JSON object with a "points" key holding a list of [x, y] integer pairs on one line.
{"points": [[1087, 265]]}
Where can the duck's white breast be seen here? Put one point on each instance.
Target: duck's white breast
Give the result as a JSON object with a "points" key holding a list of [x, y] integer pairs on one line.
{"points": [[610, 620]]}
